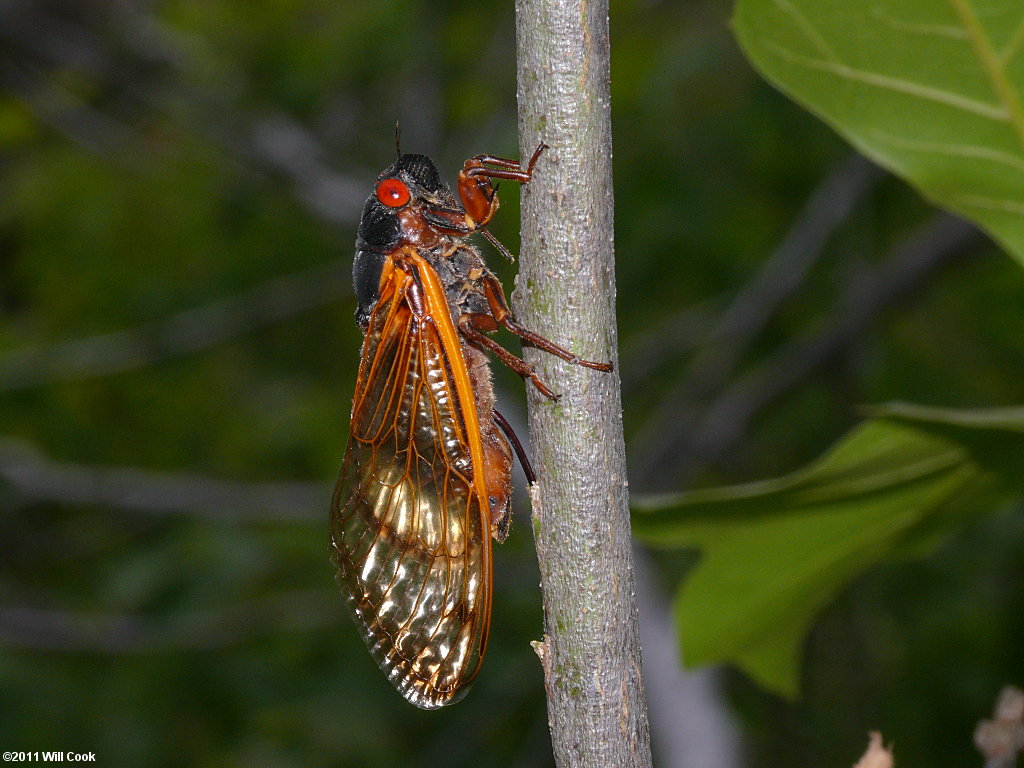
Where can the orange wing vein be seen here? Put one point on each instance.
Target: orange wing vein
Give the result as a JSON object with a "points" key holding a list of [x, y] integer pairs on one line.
{"points": [[409, 517]]}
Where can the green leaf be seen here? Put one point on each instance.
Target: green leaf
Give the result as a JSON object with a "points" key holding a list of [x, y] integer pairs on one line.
{"points": [[930, 89], [775, 552]]}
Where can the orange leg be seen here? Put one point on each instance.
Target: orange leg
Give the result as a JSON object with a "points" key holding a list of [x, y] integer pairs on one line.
{"points": [[503, 314], [479, 197], [469, 324], [511, 169]]}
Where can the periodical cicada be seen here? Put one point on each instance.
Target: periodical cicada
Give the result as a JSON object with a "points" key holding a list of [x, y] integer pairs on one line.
{"points": [[425, 481]]}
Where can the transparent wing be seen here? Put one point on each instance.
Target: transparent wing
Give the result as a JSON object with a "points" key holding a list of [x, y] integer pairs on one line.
{"points": [[411, 539]]}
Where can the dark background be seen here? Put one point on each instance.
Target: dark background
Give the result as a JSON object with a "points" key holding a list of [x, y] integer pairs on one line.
{"points": [[180, 184]]}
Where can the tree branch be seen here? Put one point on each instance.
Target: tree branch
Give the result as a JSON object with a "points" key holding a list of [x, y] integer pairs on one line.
{"points": [[591, 653], [40, 41], [940, 239], [691, 727], [51, 629], [828, 206], [179, 334], [34, 478], [722, 348]]}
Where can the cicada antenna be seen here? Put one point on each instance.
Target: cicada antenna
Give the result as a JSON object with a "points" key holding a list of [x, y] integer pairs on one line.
{"points": [[398, 140]]}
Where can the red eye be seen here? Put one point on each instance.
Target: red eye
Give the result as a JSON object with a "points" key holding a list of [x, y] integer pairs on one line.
{"points": [[393, 193]]}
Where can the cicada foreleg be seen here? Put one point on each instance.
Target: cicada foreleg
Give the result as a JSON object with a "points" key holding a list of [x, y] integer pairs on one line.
{"points": [[509, 169], [479, 197]]}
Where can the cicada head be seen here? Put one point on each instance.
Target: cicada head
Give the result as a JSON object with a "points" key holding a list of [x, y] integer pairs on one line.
{"points": [[409, 181], [412, 181]]}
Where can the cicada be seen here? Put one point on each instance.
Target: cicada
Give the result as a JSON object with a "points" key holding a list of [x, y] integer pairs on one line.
{"points": [[425, 482]]}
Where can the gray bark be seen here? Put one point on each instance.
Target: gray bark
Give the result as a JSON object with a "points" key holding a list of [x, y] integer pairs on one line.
{"points": [[566, 291]]}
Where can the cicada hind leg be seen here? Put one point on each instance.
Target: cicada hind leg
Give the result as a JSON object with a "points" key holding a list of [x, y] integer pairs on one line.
{"points": [[498, 469], [474, 326]]}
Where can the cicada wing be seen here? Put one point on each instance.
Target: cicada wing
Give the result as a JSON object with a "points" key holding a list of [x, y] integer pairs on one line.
{"points": [[411, 540]]}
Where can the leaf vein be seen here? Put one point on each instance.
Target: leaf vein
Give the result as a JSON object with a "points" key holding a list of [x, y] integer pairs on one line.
{"points": [[993, 66], [990, 203], [808, 29], [909, 87], [1007, 54], [956, 150], [931, 30], [885, 479]]}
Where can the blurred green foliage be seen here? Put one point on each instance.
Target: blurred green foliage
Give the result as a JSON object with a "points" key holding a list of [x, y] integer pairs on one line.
{"points": [[156, 157]]}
